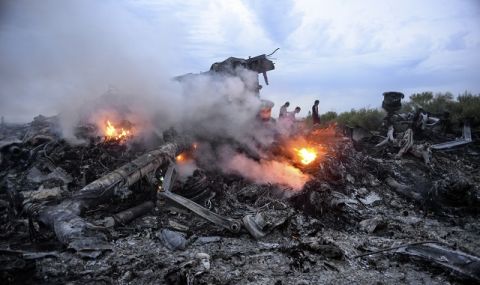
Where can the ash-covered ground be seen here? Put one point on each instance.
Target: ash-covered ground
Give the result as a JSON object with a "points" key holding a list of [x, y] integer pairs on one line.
{"points": [[366, 216]]}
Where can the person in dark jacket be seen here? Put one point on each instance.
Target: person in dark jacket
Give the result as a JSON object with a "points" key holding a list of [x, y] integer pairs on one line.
{"points": [[315, 116]]}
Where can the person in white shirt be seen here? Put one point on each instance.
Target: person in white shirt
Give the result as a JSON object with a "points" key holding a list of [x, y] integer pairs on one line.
{"points": [[283, 110]]}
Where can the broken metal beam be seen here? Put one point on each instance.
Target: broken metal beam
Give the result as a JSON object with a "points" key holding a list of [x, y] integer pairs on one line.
{"points": [[126, 216], [232, 225]]}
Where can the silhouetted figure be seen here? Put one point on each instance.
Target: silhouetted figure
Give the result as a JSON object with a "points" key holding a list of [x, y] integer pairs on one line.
{"points": [[315, 116], [283, 110], [291, 115]]}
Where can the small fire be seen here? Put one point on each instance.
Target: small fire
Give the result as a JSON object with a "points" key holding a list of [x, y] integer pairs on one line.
{"points": [[180, 157], [306, 155], [113, 133], [188, 155]]}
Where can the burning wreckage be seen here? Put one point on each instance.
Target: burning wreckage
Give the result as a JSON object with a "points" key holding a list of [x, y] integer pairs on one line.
{"points": [[318, 205]]}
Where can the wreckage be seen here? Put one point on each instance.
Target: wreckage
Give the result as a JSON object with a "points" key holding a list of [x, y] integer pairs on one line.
{"points": [[366, 211], [233, 66]]}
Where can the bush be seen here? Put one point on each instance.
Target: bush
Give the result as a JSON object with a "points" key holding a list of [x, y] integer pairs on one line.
{"points": [[436, 104], [465, 106], [369, 119], [328, 117]]}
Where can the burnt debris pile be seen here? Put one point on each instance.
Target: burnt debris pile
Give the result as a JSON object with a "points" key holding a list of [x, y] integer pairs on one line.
{"points": [[396, 209]]}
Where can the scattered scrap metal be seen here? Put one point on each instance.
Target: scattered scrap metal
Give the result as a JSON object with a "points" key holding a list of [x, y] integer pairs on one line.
{"points": [[107, 212]]}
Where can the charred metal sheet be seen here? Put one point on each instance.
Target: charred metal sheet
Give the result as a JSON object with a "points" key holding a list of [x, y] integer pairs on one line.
{"points": [[227, 223], [65, 218], [459, 262], [131, 172]]}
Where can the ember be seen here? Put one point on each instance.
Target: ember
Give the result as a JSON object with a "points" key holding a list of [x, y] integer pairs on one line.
{"points": [[187, 155]]}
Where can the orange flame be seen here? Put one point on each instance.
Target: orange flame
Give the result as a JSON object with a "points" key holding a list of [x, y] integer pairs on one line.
{"points": [[180, 157], [306, 155], [187, 155], [112, 133]]}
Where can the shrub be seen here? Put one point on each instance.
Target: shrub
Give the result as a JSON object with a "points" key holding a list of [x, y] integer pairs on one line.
{"points": [[465, 106], [328, 117], [369, 119]]}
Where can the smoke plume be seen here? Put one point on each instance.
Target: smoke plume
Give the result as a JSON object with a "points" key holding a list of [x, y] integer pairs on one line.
{"points": [[271, 171], [92, 61]]}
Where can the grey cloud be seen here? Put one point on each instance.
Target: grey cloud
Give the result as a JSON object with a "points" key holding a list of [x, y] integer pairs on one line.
{"points": [[278, 19]]}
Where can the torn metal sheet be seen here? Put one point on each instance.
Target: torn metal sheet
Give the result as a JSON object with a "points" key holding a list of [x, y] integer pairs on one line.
{"points": [[464, 139], [459, 262], [65, 218], [172, 240], [227, 223]]}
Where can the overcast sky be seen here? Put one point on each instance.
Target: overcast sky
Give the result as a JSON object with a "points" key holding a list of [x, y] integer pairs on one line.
{"points": [[344, 53]]}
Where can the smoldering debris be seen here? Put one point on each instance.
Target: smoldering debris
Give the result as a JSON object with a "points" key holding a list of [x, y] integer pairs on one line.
{"points": [[354, 203], [226, 194]]}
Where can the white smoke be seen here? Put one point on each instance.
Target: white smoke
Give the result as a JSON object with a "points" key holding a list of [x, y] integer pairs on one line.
{"points": [[90, 61], [61, 56], [267, 171]]}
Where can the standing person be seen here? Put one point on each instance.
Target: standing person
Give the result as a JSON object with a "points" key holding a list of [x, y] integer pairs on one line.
{"points": [[315, 116], [283, 110]]}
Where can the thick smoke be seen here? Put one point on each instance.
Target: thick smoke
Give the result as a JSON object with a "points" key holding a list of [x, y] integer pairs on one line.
{"points": [[82, 59], [61, 56], [89, 61]]}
